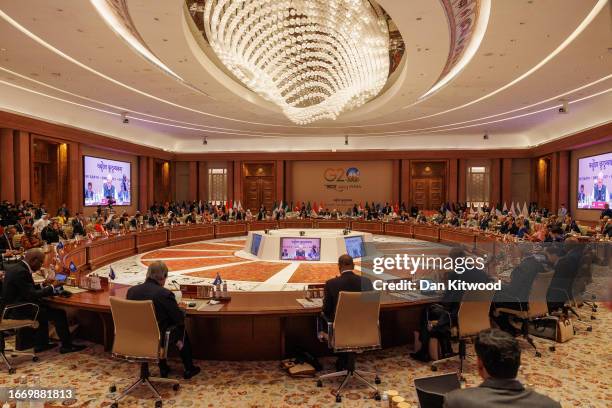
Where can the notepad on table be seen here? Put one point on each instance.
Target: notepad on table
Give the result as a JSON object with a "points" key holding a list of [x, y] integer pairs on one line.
{"points": [[310, 303]]}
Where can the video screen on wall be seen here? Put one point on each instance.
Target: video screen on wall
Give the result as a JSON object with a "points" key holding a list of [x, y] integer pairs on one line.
{"points": [[255, 242], [594, 181], [300, 249], [354, 246], [106, 182]]}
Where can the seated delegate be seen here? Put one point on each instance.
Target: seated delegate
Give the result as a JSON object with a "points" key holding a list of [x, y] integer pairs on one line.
{"points": [[498, 360], [445, 312], [19, 287], [168, 315]]}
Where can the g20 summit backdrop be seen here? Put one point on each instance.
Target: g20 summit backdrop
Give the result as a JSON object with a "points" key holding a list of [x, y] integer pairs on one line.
{"points": [[339, 184]]}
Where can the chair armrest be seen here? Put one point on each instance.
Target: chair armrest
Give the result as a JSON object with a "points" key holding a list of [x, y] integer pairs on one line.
{"points": [[323, 322], [166, 341], [34, 306]]}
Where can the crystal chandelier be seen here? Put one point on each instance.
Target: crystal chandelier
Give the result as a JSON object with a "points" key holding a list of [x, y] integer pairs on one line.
{"points": [[313, 58]]}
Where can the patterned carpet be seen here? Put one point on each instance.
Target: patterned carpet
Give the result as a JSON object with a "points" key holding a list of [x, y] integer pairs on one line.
{"points": [[577, 374]]}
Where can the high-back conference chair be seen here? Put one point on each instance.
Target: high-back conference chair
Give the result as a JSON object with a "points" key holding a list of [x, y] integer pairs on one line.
{"points": [[472, 317], [354, 330], [137, 339], [537, 307], [28, 313]]}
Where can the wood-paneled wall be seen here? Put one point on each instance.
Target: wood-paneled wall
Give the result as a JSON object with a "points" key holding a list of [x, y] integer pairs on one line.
{"points": [[154, 175]]}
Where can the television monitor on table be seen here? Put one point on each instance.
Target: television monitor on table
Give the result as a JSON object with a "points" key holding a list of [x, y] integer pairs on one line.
{"points": [[255, 242], [300, 249], [355, 246]]}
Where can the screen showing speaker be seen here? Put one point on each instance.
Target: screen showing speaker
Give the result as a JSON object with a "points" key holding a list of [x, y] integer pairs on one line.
{"points": [[300, 249], [106, 182], [594, 178], [255, 242], [355, 246]]}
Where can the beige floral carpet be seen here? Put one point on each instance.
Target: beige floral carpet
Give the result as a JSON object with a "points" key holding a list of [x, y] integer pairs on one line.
{"points": [[579, 374]]}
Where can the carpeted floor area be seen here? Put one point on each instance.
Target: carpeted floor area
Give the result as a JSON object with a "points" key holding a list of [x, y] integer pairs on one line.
{"points": [[577, 374]]}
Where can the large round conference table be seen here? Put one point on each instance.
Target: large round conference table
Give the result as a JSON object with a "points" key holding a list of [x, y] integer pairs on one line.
{"points": [[252, 325]]}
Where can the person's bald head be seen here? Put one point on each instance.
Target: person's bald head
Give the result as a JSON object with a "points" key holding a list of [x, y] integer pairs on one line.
{"points": [[35, 258], [345, 263]]}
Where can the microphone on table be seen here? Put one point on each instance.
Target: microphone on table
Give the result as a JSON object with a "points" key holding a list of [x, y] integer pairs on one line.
{"points": [[176, 285]]}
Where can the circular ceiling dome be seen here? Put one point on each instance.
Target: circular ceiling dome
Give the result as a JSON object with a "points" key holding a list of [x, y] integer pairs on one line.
{"points": [[312, 58]]}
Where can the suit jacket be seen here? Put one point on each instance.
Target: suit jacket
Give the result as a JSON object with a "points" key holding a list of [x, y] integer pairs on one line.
{"points": [[167, 311], [521, 278], [498, 393], [346, 282], [5, 243], [452, 298], [565, 273], [19, 286], [77, 227]]}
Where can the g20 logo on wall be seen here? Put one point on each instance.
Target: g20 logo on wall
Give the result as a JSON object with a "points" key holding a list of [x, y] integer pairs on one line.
{"points": [[341, 179]]}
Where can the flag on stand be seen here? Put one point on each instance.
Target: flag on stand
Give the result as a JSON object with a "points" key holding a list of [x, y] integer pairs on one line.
{"points": [[111, 273], [218, 280]]}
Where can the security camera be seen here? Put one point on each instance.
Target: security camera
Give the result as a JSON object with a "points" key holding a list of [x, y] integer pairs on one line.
{"points": [[124, 118], [485, 136], [346, 140], [565, 108], [205, 141]]}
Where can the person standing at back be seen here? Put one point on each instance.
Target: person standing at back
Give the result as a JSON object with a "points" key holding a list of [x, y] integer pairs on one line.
{"points": [[498, 360]]}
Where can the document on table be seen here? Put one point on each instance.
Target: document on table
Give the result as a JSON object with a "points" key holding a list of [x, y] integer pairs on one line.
{"points": [[206, 307], [74, 290], [310, 303]]}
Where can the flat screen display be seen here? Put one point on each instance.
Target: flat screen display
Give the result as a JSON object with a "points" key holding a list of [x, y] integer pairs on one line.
{"points": [[300, 249], [594, 181], [106, 181], [354, 246], [255, 241]]}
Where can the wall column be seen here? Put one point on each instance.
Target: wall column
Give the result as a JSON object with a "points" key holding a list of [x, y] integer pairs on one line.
{"points": [[7, 169], [554, 183], [230, 180], [395, 183], [453, 180], [75, 170], [22, 169], [203, 181], [143, 184], [564, 174], [405, 182], [279, 168], [193, 181], [506, 182], [288, 181], [462, 179], [495, 182]]}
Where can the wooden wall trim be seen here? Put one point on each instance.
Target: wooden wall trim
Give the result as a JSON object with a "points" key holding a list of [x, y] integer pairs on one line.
{"points": [[7, 165], [65, 133]]}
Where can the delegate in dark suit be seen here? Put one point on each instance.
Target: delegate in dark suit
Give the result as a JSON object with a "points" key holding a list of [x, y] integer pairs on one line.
{"points": [[498, 392], [346, 282], [19, 288], [168, 315], [498, 361], [77, 227]]}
